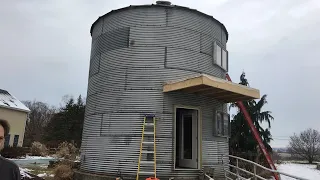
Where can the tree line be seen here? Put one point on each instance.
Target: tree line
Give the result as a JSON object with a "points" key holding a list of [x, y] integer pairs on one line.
{"points": [[51, 125]]}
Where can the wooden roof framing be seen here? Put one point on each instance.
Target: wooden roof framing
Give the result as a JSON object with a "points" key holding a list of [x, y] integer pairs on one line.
{"points": [[217, 88]]}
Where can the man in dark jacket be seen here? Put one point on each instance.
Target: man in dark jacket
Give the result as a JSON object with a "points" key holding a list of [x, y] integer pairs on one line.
{"points": [[8, 170]]}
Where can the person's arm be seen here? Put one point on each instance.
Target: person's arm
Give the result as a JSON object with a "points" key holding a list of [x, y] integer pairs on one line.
{"points": [[16, 174]]}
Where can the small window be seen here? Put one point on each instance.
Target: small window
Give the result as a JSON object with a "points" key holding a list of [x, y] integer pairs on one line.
{"points": [[219, 124], [222, 124], [7, 141], [220, 56], [224, 59], [15, 140], [226, 124]]}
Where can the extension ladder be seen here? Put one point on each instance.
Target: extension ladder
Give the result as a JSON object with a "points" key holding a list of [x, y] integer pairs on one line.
{"points": [[151, 125], [256, 135]]}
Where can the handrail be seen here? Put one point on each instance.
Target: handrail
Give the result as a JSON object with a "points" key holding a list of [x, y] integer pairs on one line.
{"points": [[254, 166], [210, 178]]}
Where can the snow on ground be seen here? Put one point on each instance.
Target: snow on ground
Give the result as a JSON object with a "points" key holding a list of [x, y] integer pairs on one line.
{"points": [[23, 172], [26, 165], [45, 175], [307, 171], [34, 158], [38, 157], [42, 175]]}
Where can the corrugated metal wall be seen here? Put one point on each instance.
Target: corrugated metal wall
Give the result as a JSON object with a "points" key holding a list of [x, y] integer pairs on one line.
{"points": [[134, 52]]}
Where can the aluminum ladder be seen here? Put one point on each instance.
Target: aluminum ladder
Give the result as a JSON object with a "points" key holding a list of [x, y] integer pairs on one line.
{"points": [[151, 124]]}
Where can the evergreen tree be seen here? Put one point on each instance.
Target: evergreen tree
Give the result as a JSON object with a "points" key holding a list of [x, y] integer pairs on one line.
{"points": [[67, 124], [242, 141]]}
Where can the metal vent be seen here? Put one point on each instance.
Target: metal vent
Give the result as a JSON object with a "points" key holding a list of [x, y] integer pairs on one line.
{"points": [[167, 3]]}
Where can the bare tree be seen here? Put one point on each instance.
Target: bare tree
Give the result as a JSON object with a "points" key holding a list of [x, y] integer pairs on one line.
{"points": [[306, 145], [39, 116]]}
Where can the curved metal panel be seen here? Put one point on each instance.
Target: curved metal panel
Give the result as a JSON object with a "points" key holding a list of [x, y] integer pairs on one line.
{"points": [[151, 16], [191, 20]]}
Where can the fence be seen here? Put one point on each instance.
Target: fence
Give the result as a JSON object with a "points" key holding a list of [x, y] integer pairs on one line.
{"points": [[243, 169]]}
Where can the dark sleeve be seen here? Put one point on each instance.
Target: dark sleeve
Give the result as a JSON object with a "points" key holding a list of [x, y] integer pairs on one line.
{"points": [[16, 174]]}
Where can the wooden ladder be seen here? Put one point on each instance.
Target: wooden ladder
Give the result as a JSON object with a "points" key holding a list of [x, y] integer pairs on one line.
{"points": [[145, 144]]}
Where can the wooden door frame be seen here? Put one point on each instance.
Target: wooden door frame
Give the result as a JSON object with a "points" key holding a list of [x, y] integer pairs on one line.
{"points": [[199, 148]]}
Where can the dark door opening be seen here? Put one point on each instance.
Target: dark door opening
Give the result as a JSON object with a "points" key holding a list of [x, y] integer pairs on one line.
{"points": [[186, 138]]}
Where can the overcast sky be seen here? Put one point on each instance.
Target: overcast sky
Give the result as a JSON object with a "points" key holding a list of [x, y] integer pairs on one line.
{"points": [[45, 50]]}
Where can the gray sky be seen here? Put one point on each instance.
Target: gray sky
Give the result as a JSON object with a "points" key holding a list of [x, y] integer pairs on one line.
{"points": [[45, 50]]}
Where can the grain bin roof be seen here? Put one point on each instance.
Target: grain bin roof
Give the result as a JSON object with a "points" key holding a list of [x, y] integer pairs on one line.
{"points": [[159, 5]]}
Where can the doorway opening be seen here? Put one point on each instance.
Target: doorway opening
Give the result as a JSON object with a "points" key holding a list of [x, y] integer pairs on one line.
{"points": [[186, 138]]}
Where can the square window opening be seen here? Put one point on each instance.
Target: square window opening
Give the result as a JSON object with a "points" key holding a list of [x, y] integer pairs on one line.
{"points": [[221, 124], [220, 56]]}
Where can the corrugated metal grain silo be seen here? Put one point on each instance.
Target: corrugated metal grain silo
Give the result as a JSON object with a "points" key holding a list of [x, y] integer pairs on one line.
{"points": [[166, 60]]}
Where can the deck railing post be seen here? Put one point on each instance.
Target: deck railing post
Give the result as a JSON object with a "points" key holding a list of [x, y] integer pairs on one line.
{"points": [[255, 171], [237, 167]]}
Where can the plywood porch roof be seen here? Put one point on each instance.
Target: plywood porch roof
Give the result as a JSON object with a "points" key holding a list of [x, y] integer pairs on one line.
{"points": [[217, 88]]}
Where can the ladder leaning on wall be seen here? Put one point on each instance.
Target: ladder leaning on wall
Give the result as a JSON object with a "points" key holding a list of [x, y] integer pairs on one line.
{"points": [[146, 144], [256, 135]]}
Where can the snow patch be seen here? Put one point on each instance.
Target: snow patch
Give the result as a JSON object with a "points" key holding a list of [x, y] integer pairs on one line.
{"points": [[34, 158], [45, 175], [38, 157], [307, 171], [42, 175], [23, 172]]}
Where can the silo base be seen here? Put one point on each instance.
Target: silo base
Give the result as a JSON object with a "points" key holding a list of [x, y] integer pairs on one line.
{"points": [[78, 175]]}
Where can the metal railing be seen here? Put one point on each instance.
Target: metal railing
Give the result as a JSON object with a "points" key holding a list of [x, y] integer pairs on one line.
{"points": [[241, 173]]}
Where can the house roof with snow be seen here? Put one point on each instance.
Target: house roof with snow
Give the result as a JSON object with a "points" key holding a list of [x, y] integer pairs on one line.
{"points": [[7, 100]]}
